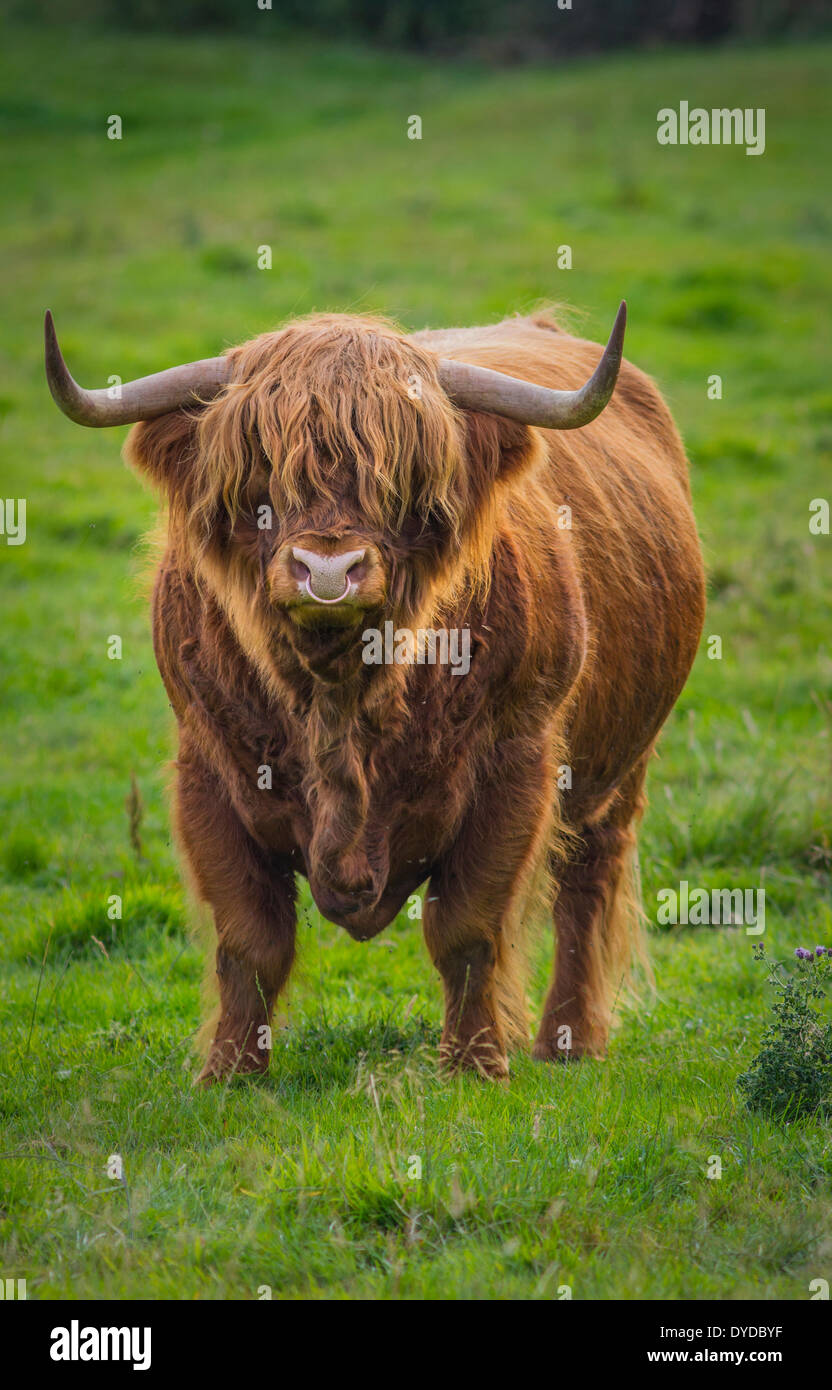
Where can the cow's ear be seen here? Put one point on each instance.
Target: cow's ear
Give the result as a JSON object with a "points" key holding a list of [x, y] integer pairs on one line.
{"points": [[164, 450], [501, 448]]}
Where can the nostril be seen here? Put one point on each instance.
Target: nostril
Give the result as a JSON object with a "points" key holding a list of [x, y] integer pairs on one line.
{"points": [[357, 572], [299, 570]]}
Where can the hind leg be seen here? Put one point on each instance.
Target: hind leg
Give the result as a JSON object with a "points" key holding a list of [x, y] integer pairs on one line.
{"points": [[596, 927]]}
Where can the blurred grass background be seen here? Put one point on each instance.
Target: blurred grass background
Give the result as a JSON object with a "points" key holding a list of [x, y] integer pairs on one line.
{"points": [[146, 251], [497, 30]]}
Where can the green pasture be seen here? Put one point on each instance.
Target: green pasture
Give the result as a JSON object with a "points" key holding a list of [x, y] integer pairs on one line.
{"points": [[146, 248]]}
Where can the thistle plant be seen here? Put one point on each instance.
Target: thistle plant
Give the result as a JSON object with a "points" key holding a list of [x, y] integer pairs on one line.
{"points": [[791, 1075]]}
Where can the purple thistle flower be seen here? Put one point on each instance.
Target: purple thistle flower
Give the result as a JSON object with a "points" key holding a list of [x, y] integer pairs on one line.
{"points": [[802, 953], [820, 950]]}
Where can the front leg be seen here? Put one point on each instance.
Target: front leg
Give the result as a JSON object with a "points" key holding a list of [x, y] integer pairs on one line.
{"points": [[475, 907], [252, 895]]}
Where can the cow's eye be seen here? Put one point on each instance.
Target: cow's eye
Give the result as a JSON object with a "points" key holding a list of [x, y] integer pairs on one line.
{"points": [[252, 519]]}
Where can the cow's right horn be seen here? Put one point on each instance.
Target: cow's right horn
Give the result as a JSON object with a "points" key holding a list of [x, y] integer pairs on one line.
{"points": [[143, 399]]}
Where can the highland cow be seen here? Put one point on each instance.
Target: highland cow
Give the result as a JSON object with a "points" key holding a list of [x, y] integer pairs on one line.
{"points": [[337, 475]]}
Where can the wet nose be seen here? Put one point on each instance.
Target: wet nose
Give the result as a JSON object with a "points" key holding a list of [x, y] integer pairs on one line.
{"points": [[327, 577]]}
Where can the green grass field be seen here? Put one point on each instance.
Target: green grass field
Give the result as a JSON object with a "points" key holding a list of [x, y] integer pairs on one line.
{"points": [[592, 1177]]}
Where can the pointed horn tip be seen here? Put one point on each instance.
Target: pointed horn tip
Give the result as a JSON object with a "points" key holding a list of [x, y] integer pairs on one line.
{"points": [[615, 343], [54, 356], [57, 373]]}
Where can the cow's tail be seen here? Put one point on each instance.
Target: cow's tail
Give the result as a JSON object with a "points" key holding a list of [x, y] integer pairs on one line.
{"points": [[617, 962], [529, 912], [511, 974], [624, 969], [596, 892]]}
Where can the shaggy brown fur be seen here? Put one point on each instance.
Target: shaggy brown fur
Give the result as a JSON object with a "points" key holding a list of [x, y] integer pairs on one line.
{"points": [[385, 776]]}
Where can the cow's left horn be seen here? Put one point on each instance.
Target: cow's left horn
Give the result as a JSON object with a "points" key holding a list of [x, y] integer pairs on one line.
{"points": [[143, 399], [479, 388]]}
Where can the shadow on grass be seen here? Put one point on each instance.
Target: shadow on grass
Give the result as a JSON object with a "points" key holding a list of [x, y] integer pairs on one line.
{"points": [[321, 1056]]}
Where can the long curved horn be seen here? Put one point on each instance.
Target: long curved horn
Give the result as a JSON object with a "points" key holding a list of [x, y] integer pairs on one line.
{"points": [[479, 388], [474, 388], [143, 399]]}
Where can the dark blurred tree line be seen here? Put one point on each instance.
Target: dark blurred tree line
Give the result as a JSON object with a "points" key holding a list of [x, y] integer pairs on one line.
{"points": [[502, 29]]}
